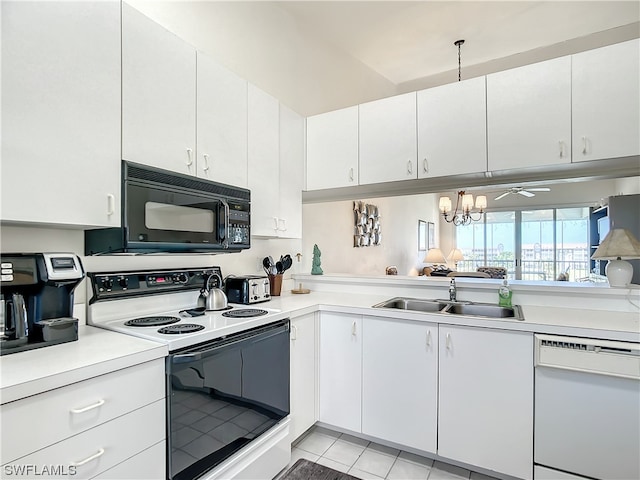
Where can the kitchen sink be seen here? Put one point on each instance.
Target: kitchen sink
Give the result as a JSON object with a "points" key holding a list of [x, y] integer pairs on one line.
{"points": [[472, 309], [484, 310], [414, 304]]}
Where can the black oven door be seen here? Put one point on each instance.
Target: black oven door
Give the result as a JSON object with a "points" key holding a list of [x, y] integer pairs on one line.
{"points": [[162, 217], [224, 394]]}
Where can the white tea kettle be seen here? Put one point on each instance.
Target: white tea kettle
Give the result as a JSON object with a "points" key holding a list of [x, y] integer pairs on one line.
{"points": [[212, 298]]}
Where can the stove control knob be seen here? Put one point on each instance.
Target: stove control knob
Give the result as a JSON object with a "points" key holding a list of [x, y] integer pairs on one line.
{"points": [[107, 284], [123, 282], [180, 278]]}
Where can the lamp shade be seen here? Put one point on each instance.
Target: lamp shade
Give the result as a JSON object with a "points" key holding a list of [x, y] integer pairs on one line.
{"points": [[619, 244], [435, 257], [455, 255]]}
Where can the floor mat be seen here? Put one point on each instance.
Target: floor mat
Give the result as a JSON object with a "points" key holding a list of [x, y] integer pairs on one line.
{"points": [[306, 470]]}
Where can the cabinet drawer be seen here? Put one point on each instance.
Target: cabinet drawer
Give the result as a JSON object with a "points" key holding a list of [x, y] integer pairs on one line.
{"points": [[149, 464], [98, 449], [38, 421]]}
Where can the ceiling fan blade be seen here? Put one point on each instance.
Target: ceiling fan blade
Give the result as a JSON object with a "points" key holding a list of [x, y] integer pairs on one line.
{"points": [[502, 195], [527, 194], [540, 189]]}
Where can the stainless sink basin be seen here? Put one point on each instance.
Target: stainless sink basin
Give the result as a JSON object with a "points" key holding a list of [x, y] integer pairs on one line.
{"points": [[484, 310], [414, 304], [472, 309]]}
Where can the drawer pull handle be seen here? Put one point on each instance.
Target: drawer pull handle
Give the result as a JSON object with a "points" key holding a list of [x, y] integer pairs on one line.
{"points": [[98, 454], [99, 403]]}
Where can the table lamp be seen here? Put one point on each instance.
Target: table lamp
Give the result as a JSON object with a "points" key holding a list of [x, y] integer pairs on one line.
{"points": [[455, 256], [618, 246], [435, 257]]}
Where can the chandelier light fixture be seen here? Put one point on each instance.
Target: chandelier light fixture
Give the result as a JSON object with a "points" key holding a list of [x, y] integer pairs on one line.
{"points": [[462, 214]]}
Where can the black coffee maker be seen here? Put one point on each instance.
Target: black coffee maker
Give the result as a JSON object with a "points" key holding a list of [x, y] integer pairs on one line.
{"points": [[37, 300]]}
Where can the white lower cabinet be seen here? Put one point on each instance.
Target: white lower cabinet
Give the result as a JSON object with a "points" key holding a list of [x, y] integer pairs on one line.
{"points": [[91, 426], [303, 374], [400, 381], [146, 465], [485, 414], [340, 370]]}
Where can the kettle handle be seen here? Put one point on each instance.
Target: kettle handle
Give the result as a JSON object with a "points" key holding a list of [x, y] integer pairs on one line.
{"points": [[207, 285]]}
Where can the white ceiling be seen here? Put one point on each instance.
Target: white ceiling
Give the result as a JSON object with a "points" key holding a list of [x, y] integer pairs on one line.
{"points": [[408, 40]]}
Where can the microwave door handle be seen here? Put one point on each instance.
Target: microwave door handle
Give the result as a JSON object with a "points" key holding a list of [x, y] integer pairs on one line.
{"points": [[225, 242]]}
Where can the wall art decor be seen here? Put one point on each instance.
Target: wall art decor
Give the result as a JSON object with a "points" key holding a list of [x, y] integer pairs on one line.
{"points": [[367, 231]]}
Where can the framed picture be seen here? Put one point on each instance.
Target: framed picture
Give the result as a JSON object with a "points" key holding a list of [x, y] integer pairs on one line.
{"points": [[422, 235], [431, 235]]}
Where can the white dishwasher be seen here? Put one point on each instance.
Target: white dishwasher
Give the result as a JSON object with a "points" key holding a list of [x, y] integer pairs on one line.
{"points": [[587, 409]]}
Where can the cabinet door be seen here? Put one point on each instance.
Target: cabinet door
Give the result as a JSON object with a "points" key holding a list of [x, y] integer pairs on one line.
{"points": [[452, 129], [158, 95], [400, 382], [332, 149], [61, 112], [486, 399], [291, 173], [303, 374], [340, 373], [529, 115], [605, 99], [222, 124], [388, 144], [264, 161], [146, 465]]}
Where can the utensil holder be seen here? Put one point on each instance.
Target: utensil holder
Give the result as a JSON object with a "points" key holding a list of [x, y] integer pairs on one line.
{"points": [[275, 284]]}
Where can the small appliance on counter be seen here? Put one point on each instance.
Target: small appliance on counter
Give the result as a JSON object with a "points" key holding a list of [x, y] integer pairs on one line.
{"points": [[248, 289], [37, 300]]}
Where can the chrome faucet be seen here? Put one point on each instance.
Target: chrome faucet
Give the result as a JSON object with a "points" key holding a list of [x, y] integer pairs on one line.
{"points": [[452, 290]]}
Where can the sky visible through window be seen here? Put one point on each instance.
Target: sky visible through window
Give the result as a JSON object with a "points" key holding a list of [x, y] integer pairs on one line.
{"points": [[554, 243]]}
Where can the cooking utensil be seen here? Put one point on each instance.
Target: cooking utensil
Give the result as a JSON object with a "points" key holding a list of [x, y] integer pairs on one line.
{"points": [[287, 262], [266, 265], [279, 267]]}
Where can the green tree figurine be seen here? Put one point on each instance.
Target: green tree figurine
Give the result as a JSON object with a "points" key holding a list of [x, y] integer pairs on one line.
{"points": [[315, 263]]}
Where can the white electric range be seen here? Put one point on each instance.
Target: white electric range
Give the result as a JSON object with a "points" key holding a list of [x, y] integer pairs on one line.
{"points": [[227, 372]]}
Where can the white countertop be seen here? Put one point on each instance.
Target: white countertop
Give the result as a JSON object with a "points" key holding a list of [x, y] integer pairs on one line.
{"points": [[624, 326], [99, 351], [96, 352]]}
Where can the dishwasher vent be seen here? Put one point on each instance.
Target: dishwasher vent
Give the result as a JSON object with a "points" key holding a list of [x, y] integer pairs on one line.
{"points": [[571, 345]]}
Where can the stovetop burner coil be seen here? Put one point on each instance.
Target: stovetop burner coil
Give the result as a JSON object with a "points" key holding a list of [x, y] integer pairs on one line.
{"points": [[181, 328], [245, 313], [151, 321]]}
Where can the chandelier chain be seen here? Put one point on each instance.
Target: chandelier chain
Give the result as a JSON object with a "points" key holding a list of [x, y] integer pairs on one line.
{"points": [[459, 43]]}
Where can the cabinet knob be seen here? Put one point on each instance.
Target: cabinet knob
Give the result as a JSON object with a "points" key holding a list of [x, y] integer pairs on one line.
{"points": [[294, 332], [353, 328], [561, 148], [584, 145], [206, 162], [98, 454], [428, 338], [425, 166], [351, 174], [409, 167], [189, 159], [447, 342]]}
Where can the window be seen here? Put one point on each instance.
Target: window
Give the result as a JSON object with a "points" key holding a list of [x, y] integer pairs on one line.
{"points": [[543, 244]]}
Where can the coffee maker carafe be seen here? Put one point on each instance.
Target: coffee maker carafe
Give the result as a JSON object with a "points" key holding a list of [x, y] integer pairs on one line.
{"points": [[37, 300]]}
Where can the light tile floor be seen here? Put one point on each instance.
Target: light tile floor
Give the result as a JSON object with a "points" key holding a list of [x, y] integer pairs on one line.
{"points": [[370, 461]]}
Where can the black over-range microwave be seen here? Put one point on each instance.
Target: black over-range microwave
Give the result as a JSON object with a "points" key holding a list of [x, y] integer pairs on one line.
{"points": [[168, 212]]}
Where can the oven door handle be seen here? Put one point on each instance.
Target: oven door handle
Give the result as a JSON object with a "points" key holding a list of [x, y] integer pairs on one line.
{"points": [[208, 350]]}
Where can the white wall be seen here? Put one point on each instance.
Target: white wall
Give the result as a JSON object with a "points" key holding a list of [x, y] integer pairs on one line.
{"points": [[331, 226], [28, 239], [264, 45]]}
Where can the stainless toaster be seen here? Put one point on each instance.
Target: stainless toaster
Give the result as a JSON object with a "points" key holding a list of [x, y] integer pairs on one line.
{"points": [[247, 289]]}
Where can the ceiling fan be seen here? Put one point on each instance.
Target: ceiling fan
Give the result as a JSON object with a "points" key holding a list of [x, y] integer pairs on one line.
{"points": [[522, 191]]}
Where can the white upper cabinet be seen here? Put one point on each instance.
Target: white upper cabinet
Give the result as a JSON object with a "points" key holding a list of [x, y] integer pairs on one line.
{"points": [[332, 149], [529, 115], [606, 102], [222, 124], [452, 129], [158, 95], [485, 406], [291, 173], [400, 375], [388, 144], [264, 161], [61, 112]]}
